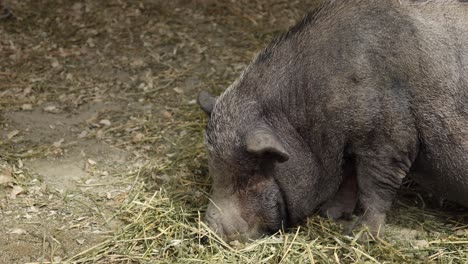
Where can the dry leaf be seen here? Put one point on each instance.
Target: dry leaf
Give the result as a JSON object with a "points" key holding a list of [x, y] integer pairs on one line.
{"points": [[27, 90], [167, 114], [32, 209], [17, 231], [16, 190], [51, 109], [12, 134], [26, 107], [178, 90], [137, 63], [57, 144], [138, 137], [83, 134], [100, 134]]}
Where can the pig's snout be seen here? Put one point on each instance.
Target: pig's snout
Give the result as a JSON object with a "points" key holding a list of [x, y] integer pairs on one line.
{"points": [[226, 220]]}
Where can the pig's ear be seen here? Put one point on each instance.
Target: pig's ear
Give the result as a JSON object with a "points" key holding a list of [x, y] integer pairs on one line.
{"points": [[206, 102], [262, 143]]}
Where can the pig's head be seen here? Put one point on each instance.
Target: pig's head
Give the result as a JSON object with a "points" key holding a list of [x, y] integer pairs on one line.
{"points": [[264, 178]]}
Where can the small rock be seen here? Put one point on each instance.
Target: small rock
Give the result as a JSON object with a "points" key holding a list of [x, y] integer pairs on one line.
{"points": [[105, 122]]}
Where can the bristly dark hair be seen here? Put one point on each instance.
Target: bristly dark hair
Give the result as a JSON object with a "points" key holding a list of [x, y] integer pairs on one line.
{"points": [[309, 18]]}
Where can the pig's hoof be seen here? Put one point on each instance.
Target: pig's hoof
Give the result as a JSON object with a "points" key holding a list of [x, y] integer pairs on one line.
{"points": [[365, 235], [366, 230]]}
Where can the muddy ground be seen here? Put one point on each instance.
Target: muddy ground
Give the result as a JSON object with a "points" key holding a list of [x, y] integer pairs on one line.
{"points": [[91, 91]]}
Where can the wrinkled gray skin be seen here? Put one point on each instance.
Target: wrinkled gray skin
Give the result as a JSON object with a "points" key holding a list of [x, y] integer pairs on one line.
{"points": [[337, 112]]}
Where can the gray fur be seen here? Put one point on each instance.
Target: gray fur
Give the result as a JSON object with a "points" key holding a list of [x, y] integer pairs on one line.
{"points": [[368, 90]]}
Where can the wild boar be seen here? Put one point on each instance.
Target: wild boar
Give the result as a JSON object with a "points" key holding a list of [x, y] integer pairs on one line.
{"points": [[336, 112]]}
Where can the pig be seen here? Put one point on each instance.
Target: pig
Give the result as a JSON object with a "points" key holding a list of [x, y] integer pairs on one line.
{"points": [[333, 114]]}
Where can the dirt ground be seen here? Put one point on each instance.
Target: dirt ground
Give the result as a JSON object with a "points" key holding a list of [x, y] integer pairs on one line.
{"points": [[92, 91], [87, 90]]}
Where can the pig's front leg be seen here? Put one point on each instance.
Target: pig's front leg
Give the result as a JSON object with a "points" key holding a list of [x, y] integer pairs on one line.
{"points": [[379, 174]]}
